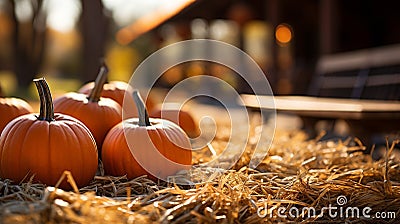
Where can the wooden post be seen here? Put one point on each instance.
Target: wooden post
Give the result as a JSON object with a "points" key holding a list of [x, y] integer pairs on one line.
{"points": [[327, 26], [272, 12]]}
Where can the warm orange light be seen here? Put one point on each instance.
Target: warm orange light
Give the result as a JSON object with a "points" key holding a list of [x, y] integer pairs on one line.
{"points": [[283, 34]]}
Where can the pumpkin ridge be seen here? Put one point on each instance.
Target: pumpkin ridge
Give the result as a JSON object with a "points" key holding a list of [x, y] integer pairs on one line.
{"points": [[18, 149], [82, 164], [103, 152], [63, 105], [11, 108], [179, 143], [21, 148], [4, 139], [67, 130], [162, 149], [109, 114], [139, 147], [45, 162], [109, 166], [73, 138], [14, 127], [13, 124], [121, 163], [164, 146], [76, 103], [172, 134], [131, 132], [82, 125], [49, 165]]}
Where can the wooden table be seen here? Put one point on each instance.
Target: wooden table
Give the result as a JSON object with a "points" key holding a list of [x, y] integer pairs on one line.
{"points": [[365, 117]]}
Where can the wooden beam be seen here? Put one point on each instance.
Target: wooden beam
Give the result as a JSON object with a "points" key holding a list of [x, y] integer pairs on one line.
{"points": [[328, 26]]}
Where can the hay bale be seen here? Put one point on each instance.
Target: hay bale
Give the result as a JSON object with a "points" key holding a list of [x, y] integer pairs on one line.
{"points": [[300, 176]]}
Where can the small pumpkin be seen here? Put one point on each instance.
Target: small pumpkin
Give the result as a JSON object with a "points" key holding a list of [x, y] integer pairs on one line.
{"points": [[177, 115], [116, 90], [97, 113], [138, 146], [11, 108], [46, 145]]}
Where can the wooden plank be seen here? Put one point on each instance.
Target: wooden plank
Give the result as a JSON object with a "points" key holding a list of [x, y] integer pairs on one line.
{"points": [[359, 59], [326, 107]]}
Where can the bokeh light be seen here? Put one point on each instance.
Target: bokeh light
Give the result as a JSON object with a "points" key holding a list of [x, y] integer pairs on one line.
{"points": [[283, 33]]}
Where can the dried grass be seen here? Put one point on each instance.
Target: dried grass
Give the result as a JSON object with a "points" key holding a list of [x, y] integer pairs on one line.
{"points": [[297, 173]]}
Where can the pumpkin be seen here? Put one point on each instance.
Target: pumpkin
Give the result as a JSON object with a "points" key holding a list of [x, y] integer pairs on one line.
{"points": [[46, 145], [116, 90], [97, 113], [11, 108], [138, 146], [177, 115]]}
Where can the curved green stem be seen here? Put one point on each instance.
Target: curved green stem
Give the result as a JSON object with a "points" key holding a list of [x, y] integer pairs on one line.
{"points": [[46, 103], [143, 115], [101, 78]]}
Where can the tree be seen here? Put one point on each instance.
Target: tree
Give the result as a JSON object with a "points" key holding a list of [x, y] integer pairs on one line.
{"points": [[28, 42], [94, 30], [29, 39]]}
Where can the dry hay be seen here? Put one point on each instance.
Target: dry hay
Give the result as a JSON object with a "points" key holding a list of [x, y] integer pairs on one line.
{"points": [[296, 174]]}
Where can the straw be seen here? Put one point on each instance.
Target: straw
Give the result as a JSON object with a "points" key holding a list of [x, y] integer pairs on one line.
{"points": [[297, 174]]}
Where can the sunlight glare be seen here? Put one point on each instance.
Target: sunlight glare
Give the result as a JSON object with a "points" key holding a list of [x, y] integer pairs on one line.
{"points": [[63, 15], [23, 10]]}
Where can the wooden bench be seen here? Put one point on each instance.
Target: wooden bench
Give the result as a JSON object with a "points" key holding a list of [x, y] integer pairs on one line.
{"points": [[360, 87]]}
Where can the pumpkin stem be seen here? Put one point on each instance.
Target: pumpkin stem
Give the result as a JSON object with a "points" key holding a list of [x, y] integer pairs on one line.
{"points": [[101, 78], [143, 115], [46, 103], [1, 91]]}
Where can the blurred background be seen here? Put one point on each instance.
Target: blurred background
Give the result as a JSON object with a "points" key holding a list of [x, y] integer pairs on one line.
{"points": [[64, 41]]}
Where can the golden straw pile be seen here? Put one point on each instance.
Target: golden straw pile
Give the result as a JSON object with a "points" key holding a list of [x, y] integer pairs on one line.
{"points": [[298, 174]]}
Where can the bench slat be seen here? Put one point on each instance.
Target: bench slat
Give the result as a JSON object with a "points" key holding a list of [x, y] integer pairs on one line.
{"points": [[325, 107]]}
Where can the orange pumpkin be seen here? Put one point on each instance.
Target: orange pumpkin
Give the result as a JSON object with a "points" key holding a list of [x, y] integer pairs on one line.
{"points": [[116, 90], [97, 113], [138, 146], [177, 115], [11, 108], [46, 145]]}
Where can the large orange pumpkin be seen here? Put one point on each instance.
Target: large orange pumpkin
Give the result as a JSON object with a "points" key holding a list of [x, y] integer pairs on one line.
{"points": [[46, 145], [11, 108], [138, 146], [177, 115], [116, 90], [97, 113]]}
